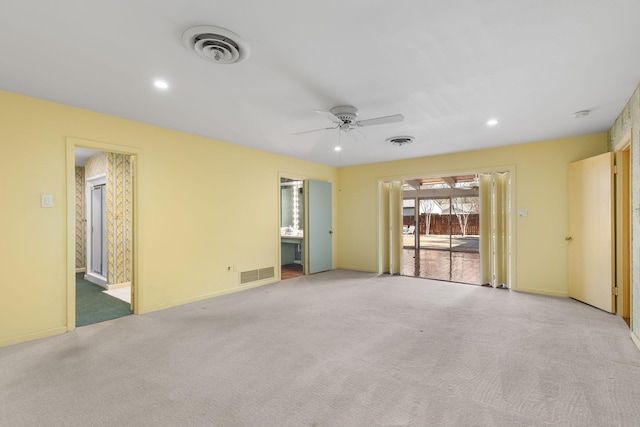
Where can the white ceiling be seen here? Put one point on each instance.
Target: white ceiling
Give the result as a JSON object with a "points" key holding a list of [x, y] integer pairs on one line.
{"points": [[447, 66], [82, 154]]}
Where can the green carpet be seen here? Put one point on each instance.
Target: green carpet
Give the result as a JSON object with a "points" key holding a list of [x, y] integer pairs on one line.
{"points": [[93, 306]]}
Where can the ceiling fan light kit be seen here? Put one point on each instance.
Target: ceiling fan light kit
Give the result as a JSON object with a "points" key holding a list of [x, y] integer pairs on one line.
{"points": [[345, 114], [216, 44]]}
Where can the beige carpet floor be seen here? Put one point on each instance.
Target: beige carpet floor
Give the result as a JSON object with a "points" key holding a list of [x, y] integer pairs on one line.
{"points": [[335, 349]]}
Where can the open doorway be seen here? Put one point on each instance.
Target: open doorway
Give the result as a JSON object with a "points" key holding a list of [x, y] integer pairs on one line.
{"points": [[441, 229], [406, 242], [292, 224], [103, 235]]}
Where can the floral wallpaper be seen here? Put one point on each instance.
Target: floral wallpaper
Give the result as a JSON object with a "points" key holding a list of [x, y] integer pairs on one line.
{"points": [[95, 165], [119, 218], [81, 240]]}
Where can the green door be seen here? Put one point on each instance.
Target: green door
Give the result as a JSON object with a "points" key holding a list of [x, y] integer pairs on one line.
{"points": [[320, 231]]}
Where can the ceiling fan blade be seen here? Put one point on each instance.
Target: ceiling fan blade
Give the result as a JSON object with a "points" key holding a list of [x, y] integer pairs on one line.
{"points": [[355, 134], [330, 116], [314, 130], [381, 120]]}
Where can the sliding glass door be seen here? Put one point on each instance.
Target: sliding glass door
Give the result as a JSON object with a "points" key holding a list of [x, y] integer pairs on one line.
{"points": [[449, 235], [444, 243], [458, 228]]}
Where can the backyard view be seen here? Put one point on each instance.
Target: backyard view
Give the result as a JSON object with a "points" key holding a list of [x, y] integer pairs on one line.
{"points": [[441, 234]]}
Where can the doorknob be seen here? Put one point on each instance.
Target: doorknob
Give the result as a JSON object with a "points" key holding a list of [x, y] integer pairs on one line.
{"points": [[568, 239], [330, 231]]}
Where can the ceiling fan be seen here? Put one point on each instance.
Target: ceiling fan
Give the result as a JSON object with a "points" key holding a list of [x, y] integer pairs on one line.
{"points": [[344, 116]]}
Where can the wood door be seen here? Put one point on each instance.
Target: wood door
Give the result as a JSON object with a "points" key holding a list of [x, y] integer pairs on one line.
{"points": [[591, 230], [320, 229]]}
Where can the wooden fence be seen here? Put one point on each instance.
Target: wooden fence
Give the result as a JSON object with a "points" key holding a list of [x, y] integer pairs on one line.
{"points": [[440, 224]]}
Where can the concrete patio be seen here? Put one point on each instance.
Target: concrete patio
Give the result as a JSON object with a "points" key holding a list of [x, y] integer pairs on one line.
{"points": [[441, 242]]}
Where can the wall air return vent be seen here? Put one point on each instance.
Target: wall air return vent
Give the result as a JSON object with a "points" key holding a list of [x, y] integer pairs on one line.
{"points": [[216, 44], [248, 276], [255, 275]]}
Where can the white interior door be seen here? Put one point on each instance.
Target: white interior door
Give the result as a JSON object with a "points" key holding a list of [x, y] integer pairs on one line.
{"points": [[591, 230], [320, 230]]}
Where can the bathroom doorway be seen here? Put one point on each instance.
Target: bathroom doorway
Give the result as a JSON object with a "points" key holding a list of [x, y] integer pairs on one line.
{"points": [[292, 225]]}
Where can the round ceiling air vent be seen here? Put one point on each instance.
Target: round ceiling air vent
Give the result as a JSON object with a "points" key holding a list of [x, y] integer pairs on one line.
{"points": [[401, 140], [216, 44], [582, 113]]}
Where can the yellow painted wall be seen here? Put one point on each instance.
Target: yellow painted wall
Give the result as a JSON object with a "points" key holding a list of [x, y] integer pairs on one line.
{"points": [[540, 186], [203, 205]]}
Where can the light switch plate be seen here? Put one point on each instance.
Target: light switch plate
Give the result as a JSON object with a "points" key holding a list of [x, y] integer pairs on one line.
{"points": [[523, 212], [47, 201]]}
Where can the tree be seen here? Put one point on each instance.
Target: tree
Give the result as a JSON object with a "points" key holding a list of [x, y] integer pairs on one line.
{"points": [[462, 207], [427, 208]]}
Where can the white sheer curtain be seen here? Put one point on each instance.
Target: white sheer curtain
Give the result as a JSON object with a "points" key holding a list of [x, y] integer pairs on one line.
{"points": [[495, 229]]}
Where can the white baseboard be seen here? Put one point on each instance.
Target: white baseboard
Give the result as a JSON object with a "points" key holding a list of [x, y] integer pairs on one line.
{"points": [[541, 292], [118, 285], [96, 280], [33, 336]]}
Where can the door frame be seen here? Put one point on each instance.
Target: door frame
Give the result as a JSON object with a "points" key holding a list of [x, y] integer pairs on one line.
{"points": [[383, 244], [623, 212], [137, 288]]}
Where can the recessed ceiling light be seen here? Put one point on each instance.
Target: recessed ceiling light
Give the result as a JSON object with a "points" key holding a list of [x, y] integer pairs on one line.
{"points": [[338, 148], [492, 122], [581, 113], [161, 84]]}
